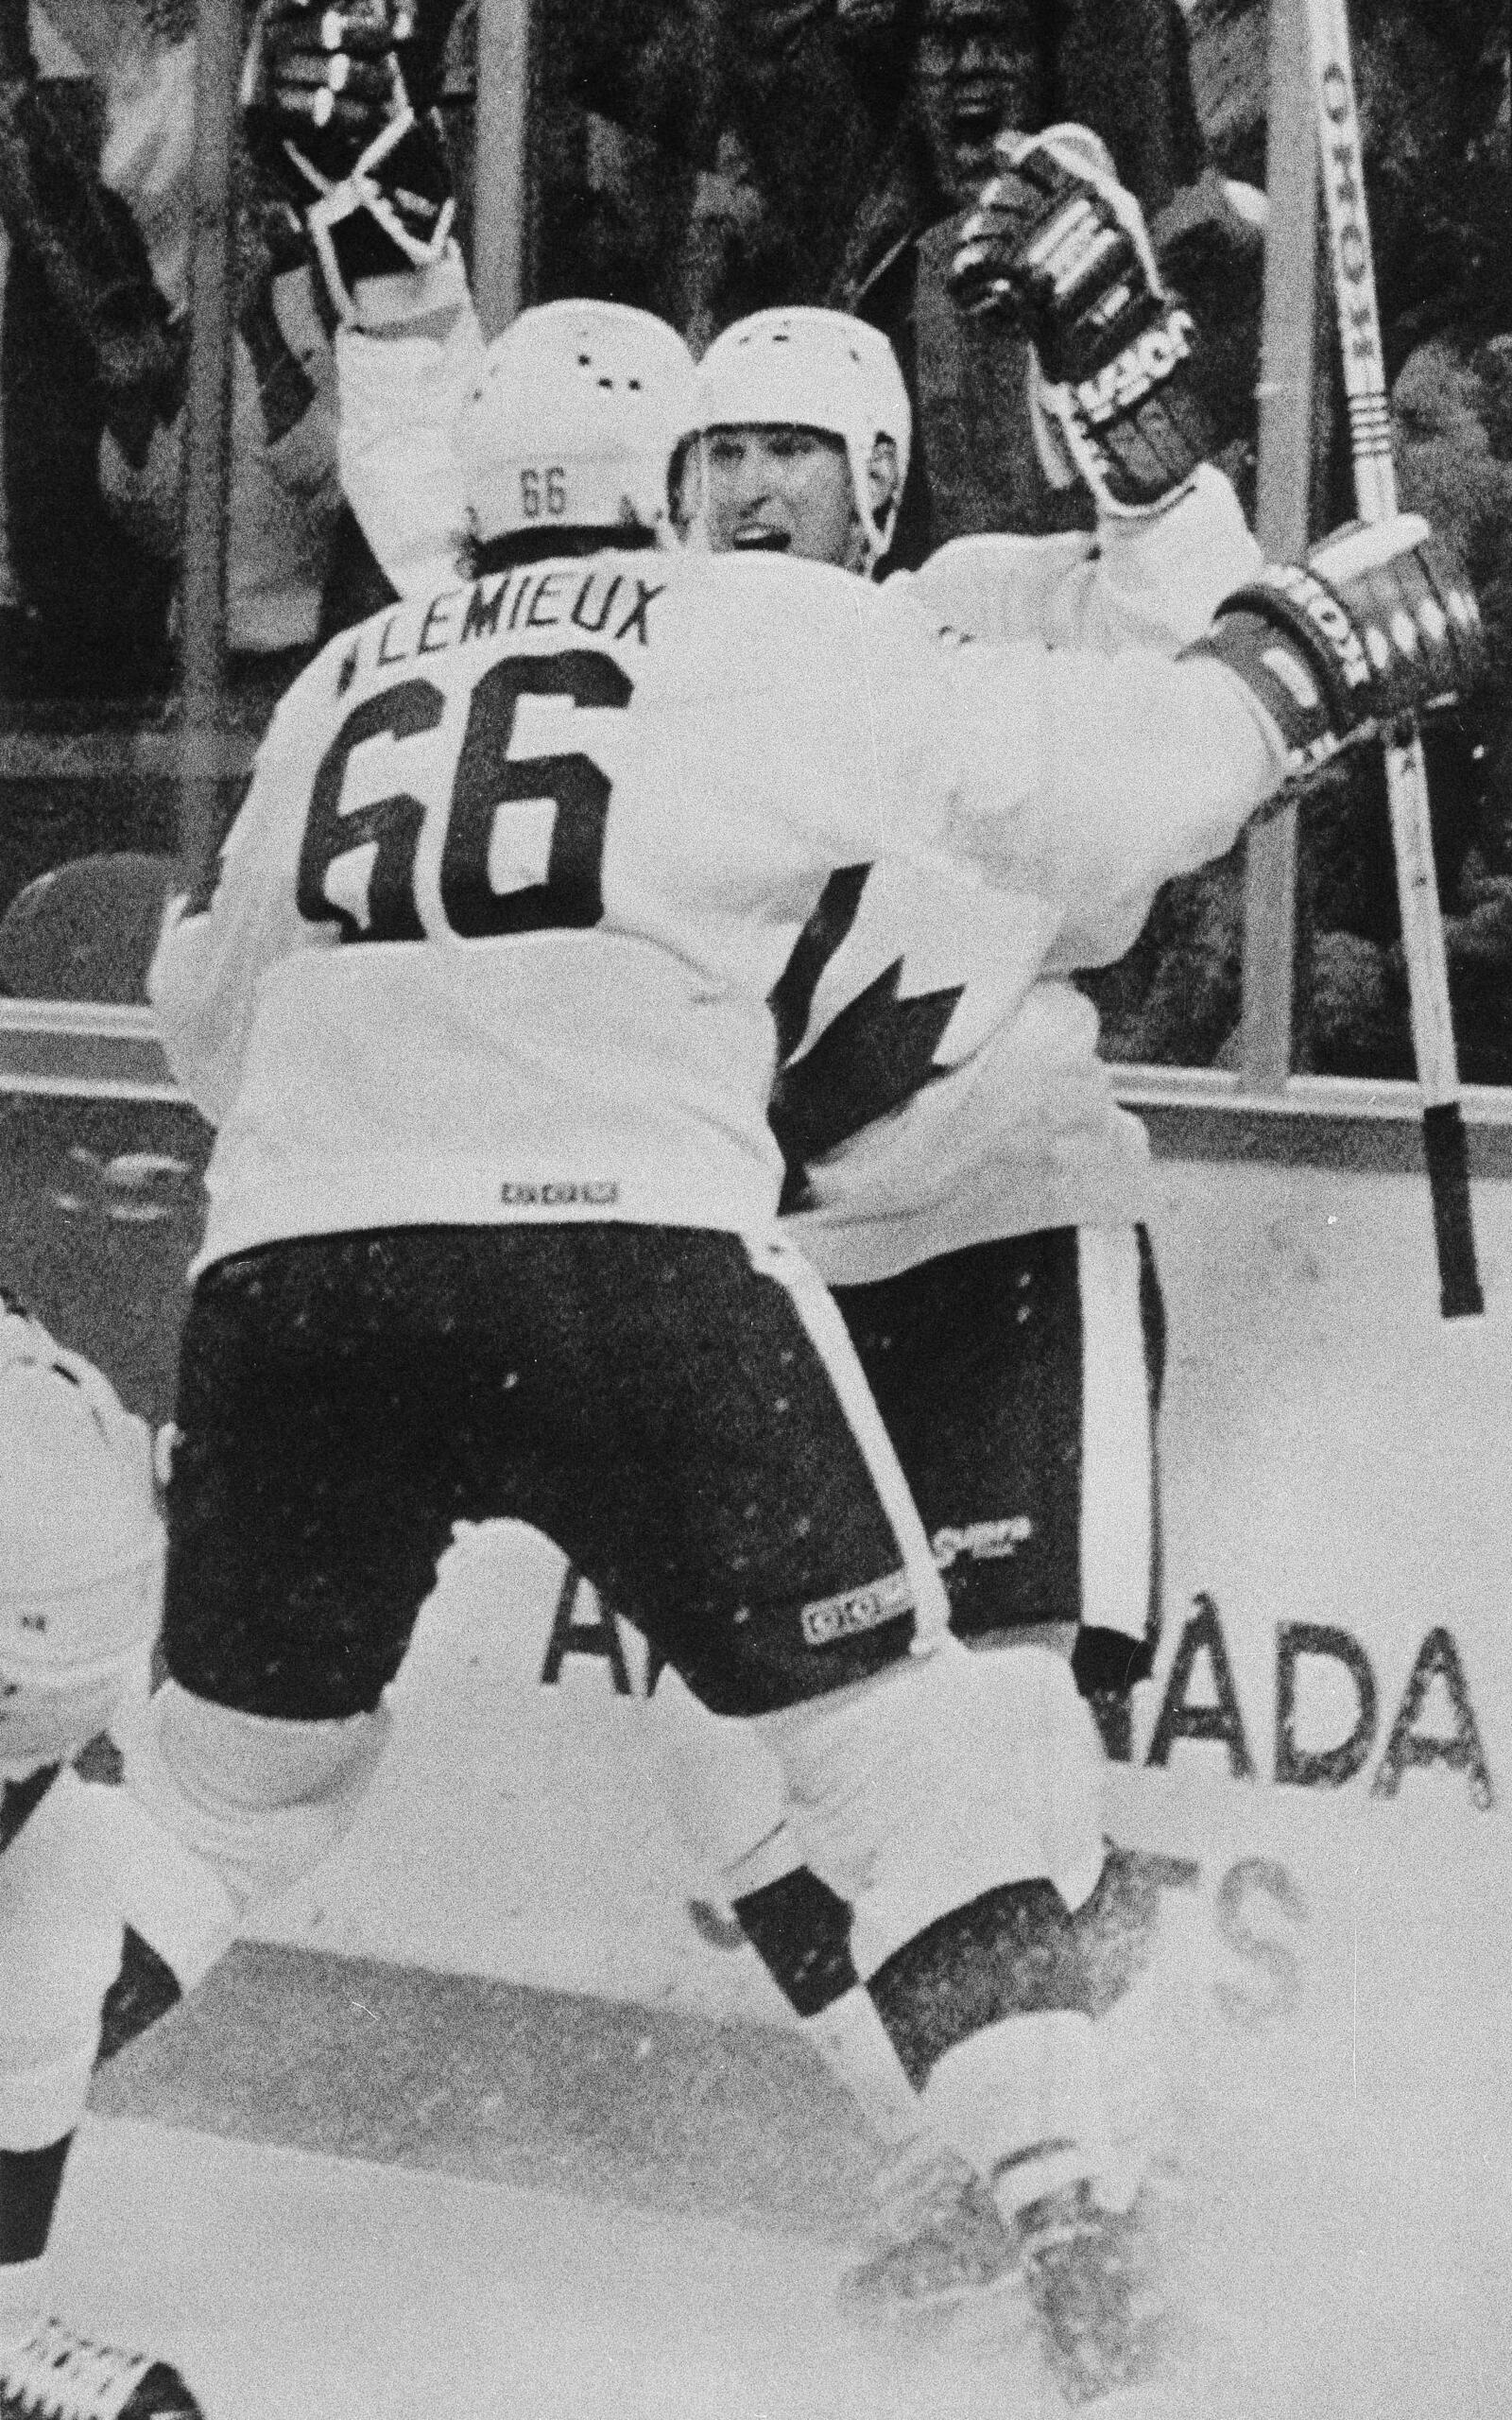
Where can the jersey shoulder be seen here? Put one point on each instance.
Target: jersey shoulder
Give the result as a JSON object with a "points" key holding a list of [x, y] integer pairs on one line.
{"points": [[994, 586], [685, 628], [767, 624], [780, 598]]}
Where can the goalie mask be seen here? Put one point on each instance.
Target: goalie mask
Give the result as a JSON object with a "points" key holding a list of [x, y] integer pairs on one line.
{"points": [[572, 423], [806, 368], [80, 1546]]}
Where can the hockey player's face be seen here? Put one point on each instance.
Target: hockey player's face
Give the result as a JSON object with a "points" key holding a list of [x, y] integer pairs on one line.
{"points": [[782, 490], [977, 70]]}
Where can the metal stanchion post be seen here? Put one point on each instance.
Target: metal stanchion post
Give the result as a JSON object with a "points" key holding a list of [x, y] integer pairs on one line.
{"points": [[1283, 485], [202, 591], [501, 173]]}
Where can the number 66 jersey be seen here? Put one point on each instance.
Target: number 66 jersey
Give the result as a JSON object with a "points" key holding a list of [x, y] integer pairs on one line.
{"points": [[495, 933]]}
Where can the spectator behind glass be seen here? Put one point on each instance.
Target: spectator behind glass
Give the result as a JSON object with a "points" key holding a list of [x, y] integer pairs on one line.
{"points": [[105, 239], [82, 335], [976, 68], [284, 483]]}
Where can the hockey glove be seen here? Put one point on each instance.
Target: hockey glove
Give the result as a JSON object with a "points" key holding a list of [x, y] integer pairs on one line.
{"points": [[1380, 623], [328, 114], [1060, 248]]}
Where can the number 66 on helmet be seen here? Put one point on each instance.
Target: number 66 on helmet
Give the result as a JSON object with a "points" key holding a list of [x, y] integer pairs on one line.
{"points": [[572, 421]]}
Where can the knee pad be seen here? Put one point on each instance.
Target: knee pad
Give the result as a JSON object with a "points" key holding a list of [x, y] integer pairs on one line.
{"points": [[939, 1781], [47, 1720], [242, 1807], [60, 1936], [724, 1789], [80, 1546]]}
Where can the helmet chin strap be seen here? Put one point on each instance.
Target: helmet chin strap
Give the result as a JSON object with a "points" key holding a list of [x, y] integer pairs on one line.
{"points": [[863, 554], [878, 521], [871, 535]]}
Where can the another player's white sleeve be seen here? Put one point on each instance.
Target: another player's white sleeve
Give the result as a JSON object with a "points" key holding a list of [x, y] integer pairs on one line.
{"points": [[212, 953], [1158, 580], [1131, 769], [1090, 771], [1076, 778], [995, 587], [399, 395], [1153, 581]]}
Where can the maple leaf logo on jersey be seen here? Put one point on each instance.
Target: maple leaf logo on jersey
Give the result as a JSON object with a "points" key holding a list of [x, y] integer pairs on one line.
{"points": [[876, 1055]]}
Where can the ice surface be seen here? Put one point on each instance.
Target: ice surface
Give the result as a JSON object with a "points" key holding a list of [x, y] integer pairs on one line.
{"points": [[292, 2286], [1330, 2259]]}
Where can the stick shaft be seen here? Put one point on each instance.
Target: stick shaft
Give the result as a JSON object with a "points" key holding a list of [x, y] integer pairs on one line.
{"points": [[1375, 487], [1283, 477], [202, 599], [1354, 276]]}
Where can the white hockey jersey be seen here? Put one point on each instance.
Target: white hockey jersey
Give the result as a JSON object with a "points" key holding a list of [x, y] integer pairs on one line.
{"points": [[399, 396], [902, 1144], [496, 931], [901, 1147]]}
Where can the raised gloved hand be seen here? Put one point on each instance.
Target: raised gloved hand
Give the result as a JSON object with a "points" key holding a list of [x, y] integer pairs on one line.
{"points": [[329, 117], [1379, 624], [1060, 248]]}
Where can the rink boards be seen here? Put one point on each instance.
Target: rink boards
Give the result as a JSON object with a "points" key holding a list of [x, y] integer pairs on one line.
{"points": [[1318, 1772]]}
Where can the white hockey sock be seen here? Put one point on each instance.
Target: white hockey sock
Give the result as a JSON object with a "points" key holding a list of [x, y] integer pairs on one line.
{"points": [[23, 2296], [222, 1811], [42, 2099], [1021, 2100], [853, 2043], [1134, 2089], [944, 1778], [175, 1899]]}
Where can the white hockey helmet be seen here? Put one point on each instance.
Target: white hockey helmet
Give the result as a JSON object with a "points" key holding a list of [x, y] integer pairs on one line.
{"points": [[806, 368], [80, 1545], [573, 418]]}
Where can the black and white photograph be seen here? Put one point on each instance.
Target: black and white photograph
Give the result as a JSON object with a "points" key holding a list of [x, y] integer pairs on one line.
{"points": [[755, 1209]]}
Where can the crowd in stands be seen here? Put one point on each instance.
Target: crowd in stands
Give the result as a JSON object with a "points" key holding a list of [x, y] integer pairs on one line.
{"points": [[96, 151], [704, 159]]}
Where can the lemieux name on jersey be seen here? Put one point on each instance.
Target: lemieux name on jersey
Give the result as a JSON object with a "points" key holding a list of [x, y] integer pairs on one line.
{"points": [[603, 604]]}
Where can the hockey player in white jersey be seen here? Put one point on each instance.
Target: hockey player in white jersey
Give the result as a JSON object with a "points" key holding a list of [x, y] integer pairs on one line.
{"points": [[479, 1003], [964, 1179], [992, 1423], [958, 1172], [925, 1124], [940, 1160], [80, 1565]]}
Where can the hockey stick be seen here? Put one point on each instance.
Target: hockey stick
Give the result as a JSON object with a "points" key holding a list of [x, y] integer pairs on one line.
{"points": [[1375, 488]]}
